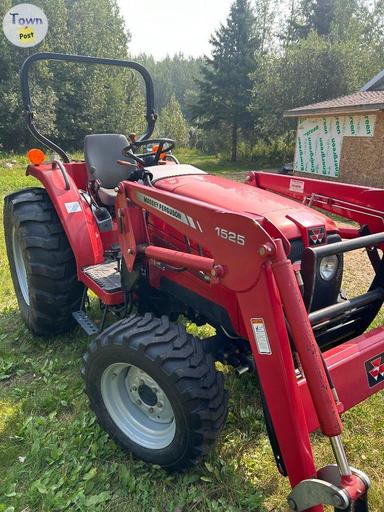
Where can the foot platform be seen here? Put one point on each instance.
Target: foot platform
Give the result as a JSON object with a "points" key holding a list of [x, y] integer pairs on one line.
{"points": [[105, 275]]}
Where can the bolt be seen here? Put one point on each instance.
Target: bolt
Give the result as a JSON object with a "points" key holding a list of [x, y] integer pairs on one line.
{"points": [[151, 409], [131, 251], [160, 405], [266, 249], [142, 382], [139, 402], [217, 271], [338, 500], [114, 375], [292, 504], [134, 388], [155, 390]]}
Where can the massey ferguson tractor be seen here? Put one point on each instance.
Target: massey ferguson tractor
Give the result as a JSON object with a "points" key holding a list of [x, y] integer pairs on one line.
{"points": [[154, 239]]}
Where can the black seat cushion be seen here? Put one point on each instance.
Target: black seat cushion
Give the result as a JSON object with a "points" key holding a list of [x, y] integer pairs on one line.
{"points": [[107, 196], [101, 153]]}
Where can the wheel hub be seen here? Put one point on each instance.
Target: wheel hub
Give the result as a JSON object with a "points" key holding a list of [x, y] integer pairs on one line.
{"points": [[138, 405], [148, 396]]}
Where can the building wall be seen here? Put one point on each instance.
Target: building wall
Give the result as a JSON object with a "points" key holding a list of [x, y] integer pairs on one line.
{"points": [[361, 158]]}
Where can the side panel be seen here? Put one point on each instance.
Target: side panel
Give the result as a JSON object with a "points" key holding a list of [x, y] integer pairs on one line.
{"points": [[74, 214], [357, 370]]}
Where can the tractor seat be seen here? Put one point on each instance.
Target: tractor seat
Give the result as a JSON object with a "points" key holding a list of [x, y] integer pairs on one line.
{"points": [[101, 153]]}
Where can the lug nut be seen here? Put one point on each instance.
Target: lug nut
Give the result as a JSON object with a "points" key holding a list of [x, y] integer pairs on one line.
{"points": [[139, 402], [151, 409]]}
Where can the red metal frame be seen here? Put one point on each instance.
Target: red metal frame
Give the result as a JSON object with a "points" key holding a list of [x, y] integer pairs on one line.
{"points": [[245, 259], [265, 271], [80, 225], [363, 205]]}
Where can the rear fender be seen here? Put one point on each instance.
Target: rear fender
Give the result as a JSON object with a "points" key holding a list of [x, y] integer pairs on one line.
{"points": [[74, 213]]}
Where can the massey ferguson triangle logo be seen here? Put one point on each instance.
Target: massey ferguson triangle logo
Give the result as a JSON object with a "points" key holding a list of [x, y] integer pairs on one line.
{"points": [[316, 235], [375, 370]]}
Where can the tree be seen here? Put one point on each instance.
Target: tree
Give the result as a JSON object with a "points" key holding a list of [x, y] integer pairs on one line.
{"points": [[225, 84], [172, 124], [173, 76], [71, 100], [312, 70], [320, 16]]}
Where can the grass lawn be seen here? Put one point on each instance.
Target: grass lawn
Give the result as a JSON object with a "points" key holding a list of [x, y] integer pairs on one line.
{"points": [[53, 455]]}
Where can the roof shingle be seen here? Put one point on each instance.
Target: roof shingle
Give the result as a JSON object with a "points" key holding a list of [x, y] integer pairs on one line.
{"points": [[361, 101]]}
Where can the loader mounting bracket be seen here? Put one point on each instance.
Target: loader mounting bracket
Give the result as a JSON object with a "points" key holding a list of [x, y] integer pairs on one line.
{"points": [[328, 489]]}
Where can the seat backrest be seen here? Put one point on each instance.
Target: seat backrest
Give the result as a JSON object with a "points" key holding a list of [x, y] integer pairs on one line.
{"points": [[101, 152]]}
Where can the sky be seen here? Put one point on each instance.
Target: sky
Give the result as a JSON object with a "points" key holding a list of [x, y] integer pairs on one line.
{"points": [[172, 26]]}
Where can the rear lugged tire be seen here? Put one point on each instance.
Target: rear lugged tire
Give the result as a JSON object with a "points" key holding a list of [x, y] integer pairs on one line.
{"points": [[155, 391], [42, 263]]}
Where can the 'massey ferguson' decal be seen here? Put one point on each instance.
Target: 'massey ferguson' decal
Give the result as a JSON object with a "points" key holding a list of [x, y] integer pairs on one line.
{"points": [[375, 370], [169, 210]]}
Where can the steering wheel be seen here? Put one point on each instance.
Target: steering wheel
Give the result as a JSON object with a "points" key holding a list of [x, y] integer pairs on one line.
{"points": [[128, 151]]}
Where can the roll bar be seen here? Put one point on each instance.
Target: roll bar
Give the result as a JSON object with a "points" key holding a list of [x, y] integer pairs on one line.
{"points": [[26, 96]]}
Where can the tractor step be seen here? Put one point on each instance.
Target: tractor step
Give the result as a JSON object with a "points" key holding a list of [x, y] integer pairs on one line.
{"points": [[85, 322], [105, 275]]}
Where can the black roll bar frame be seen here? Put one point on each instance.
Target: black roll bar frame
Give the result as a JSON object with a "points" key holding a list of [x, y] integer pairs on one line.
{"points": [[27, 102]]}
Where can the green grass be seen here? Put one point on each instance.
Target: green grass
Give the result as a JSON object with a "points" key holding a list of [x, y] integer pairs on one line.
{"points": [[54, 457]]}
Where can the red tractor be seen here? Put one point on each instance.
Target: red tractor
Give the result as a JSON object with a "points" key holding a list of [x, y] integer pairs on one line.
{"points": [[154, 239]]}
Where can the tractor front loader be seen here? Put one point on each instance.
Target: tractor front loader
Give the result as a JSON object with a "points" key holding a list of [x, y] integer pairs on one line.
{"points": [[154, 239]]}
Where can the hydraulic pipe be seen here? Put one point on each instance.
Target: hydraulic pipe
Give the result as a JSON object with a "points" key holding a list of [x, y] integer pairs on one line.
{"points": [[192, 261]]}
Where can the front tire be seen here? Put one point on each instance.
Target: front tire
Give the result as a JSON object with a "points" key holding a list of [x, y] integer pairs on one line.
{"points": [[42, 264], [155, 391]]}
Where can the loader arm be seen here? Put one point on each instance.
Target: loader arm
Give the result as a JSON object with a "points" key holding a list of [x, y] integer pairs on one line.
{"points": [[246, 260], [363, 205]]}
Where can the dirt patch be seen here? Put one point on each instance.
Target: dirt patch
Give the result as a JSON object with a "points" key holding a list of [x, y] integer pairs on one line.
{"points": [[17, 380], [358, 273]]}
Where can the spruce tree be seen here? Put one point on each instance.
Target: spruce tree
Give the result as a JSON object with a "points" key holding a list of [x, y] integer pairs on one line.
{"points": [[225, 85]]}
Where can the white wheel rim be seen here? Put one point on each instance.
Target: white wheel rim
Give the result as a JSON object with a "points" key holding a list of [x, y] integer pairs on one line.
{"points": [[138, 406], [20, 266]]}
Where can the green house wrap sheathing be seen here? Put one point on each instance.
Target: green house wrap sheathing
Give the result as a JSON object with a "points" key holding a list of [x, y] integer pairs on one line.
{"points": [[319, 141]]}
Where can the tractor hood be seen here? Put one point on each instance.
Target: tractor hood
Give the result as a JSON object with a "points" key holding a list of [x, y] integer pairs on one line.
{"points": [[290, 217]]}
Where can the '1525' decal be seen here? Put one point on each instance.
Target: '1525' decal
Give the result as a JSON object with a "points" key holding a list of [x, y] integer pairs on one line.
{"points": [[236, 238]]}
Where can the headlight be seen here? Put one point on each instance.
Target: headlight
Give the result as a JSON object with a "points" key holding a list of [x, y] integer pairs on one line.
{"points": [[328, 267]]}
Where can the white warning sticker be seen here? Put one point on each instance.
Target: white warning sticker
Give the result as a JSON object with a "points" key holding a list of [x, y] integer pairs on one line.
{"points": [[73, 207], [261, 336], [296, 186]]}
